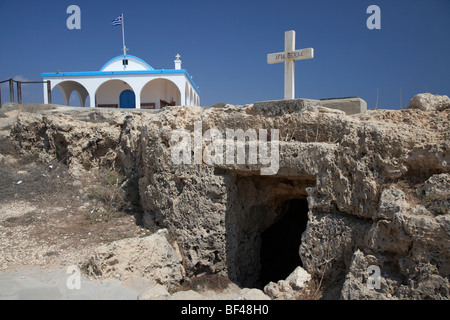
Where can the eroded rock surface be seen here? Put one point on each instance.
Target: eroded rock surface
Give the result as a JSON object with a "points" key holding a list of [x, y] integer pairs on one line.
{"points": [[430, 102], [150, 257], [376, 185]]}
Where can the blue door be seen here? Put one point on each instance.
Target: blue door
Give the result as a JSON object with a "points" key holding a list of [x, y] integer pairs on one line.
{"points": [[127, 99]]}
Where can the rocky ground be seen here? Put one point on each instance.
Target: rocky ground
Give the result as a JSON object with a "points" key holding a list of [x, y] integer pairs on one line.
{"points": [[52, 218], [48, 217], [99, 189]]}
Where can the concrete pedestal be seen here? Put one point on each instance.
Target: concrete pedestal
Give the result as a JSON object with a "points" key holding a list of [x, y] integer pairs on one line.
{"points": [[351, 105]]}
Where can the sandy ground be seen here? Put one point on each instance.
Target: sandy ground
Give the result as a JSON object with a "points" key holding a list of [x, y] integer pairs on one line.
{"points": [[28, 283]]}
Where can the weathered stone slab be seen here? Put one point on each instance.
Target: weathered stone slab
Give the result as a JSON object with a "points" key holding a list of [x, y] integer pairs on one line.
{"points": [[353, 105], [350, 106]]}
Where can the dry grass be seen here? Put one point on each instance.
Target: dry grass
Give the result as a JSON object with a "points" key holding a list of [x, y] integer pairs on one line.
{"points": [[107, 191], [103, 215], [312, 291], [27, 179]]}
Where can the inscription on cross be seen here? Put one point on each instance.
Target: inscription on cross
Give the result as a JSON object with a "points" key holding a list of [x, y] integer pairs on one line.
{"points": [[289, 56]]}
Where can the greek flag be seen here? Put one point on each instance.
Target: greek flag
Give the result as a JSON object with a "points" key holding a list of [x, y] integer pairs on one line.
{"points": [[117, 21]]}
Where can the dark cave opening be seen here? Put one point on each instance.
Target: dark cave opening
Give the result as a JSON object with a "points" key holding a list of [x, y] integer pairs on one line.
{"points": [[280, 243]]}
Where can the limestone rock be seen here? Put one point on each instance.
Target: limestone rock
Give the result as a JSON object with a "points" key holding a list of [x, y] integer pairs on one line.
{"points": [[392, 200], [298, 278], [436, 194], [436, 186], [289, 288], [425, 282], [279, 291], [151, 257], [430, 102], [282, 290], [376, 186], [356, 281]]}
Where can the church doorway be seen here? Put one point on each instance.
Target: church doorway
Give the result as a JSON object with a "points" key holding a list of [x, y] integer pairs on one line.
{"points": [[127, 99]]}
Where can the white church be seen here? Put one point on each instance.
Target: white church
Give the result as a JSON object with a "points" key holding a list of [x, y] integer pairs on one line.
{"points": [[127, 82]]}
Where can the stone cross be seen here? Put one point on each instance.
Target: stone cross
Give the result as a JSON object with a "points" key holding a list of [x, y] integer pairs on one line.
{"points": [[288, 57]]}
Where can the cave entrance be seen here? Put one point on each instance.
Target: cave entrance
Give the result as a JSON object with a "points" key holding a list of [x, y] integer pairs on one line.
{"points": [[265, 219], [280, 243]]}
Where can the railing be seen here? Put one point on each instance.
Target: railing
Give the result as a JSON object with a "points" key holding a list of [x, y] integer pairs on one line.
{"points": [[19, 89]]}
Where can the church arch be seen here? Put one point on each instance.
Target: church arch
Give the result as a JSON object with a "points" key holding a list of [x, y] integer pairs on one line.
{"points": [[159, 93], [67, 87], [78, 99]]}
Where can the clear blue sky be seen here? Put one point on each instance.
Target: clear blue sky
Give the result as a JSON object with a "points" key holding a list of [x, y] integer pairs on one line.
{"points": [[224, 45]]}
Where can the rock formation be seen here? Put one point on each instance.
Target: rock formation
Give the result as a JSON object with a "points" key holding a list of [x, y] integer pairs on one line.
{"points": [[288, 289], [150, 257], [374, 188], [430, 102]]}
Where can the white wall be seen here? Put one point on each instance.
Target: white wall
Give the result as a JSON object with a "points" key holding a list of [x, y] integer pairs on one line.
{"points": [[133, 65], [109, 93]]}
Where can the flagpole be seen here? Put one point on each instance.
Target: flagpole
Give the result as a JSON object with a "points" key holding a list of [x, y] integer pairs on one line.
{"points": [[123, 37]]}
